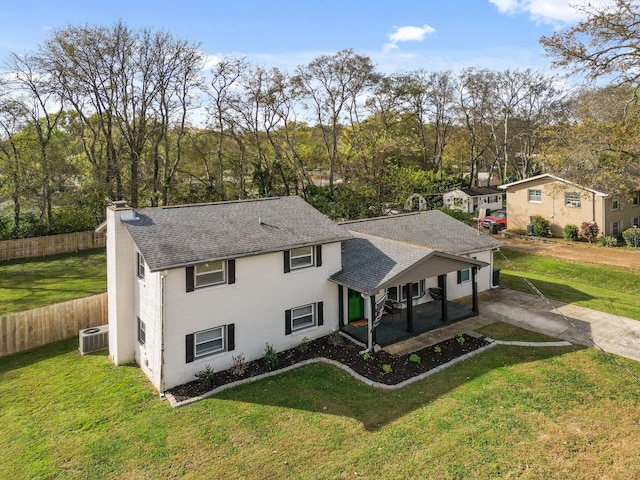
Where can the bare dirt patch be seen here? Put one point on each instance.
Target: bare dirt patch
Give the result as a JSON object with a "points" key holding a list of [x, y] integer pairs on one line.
{"points": [[575, 252]]}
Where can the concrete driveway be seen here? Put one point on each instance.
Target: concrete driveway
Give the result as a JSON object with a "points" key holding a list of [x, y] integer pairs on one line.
{"points": [[575, 324]]}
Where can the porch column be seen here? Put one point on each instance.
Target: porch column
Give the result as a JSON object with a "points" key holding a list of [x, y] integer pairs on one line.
{"points": [[368, 314], [340, 306], [442, 284], [372, 306], [474, 287], [409, 308]]}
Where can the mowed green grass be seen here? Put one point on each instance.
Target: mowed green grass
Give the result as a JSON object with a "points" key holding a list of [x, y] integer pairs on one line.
{"points": [[511, 412], [609, 289], [33, 283]]}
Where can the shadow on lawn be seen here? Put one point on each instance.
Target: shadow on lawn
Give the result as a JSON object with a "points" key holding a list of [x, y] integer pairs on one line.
{"points": [[328, 390], [38, 354], [553, 290]]}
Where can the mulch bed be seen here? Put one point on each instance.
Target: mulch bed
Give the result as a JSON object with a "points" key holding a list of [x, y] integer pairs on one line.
{"points": [[336, 347]]}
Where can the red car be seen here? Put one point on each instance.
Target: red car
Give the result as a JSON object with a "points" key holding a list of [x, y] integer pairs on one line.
{"points": [[499, 218]]}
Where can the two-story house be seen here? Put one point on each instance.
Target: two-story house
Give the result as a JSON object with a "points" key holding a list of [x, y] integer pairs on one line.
{"points": [[196, 285], [563, 202]]}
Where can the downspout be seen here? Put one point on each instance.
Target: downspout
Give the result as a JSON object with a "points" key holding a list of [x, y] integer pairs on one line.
{"points": [[162, 298]]}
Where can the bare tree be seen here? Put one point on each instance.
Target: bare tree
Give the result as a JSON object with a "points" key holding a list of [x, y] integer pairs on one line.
{"points": [[13, 119], [332, 85], [44, 105]]}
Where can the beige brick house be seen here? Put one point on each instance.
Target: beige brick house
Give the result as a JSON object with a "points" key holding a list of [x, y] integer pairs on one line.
{"points": [[563, 202]]}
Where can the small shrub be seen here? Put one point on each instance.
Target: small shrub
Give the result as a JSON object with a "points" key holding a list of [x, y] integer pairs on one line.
{"points": [[437, 349], [608, 241], [238, 365], [304, 345], [414, 358], [541, 226], [589, 231], [271, 357], [386, 368], [206, 375], [571, 232], [367, 356], [460, 339], [631, 237], [335, 339]]}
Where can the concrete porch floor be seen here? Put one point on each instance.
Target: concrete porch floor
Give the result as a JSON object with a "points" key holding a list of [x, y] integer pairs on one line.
{"points": [[426, 318]]}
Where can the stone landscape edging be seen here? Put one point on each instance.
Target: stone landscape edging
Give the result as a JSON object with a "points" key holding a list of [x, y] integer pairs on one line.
{"points": [[176, 403]]}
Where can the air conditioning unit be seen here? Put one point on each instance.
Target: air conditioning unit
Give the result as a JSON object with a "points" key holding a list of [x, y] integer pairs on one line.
{"points": [[94, 339]]}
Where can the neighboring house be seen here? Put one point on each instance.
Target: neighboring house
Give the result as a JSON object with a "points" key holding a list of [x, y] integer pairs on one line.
{"points": [[196, 285], [473, 199], [563, 202]]}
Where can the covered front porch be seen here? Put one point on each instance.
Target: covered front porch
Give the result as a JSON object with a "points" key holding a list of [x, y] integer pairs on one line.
{"points": [[393, 326], [379, 276]]}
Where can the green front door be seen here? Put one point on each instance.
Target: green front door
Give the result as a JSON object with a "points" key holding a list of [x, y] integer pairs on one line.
{"points": [[356, 306]]}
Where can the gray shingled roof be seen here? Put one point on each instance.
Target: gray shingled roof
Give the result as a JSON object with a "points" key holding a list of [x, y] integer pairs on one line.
{"points": [[170, 237], [478, 191], [433, 229], [370, 263]]}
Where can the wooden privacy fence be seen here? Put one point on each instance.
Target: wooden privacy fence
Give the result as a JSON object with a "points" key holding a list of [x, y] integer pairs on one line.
{"points": [[34, 328], [51, 245]]}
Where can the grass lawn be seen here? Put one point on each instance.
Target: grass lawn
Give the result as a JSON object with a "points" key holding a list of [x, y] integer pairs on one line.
{"points": [[511, 412], [33, 283], [605, 288]]}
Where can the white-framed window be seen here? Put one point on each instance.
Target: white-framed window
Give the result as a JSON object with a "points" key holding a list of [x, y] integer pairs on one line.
{"points": [[140, 265], [535, 195], [209, 273], [635, 198], [142, 332], [464, 276], [635, 222], [417, 290], [303, 317], [457, 202], [615, 204], [572, 199], [300, 257], [208, 342], [615, 228]]}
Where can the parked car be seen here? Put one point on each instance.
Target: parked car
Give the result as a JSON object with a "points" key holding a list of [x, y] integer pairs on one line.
{"points": [[499, 218]]}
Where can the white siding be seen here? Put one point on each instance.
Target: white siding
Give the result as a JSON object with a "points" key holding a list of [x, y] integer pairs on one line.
{"points": [[120, 287], [148, 306], [256, 304]]}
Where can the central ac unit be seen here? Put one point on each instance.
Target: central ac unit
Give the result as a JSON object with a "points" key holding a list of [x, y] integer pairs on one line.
{"points": [[94, 339]]}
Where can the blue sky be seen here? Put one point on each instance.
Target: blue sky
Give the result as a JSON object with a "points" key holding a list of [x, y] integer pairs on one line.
{"points": [[398, 35]]}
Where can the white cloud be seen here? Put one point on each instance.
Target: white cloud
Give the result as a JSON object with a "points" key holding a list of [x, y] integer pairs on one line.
{"points": [[548, 11], [407, 34]]}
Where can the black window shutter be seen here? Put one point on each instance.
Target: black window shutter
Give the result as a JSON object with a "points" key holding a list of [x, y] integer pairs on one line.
{"points": [[231, 267], [189, 348], [459, 277], [318, 255], [190, 272], [287, 261], [231, 337], [287, 322], [320, 313]]}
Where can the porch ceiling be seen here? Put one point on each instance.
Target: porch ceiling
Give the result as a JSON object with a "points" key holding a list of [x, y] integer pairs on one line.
{"points": [[373, 263]]}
